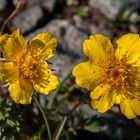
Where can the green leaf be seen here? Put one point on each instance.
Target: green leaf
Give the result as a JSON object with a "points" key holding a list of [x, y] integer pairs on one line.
{"points": [[93, 127], [6, 114], [10, 123], [82, 11], [1, 116]]}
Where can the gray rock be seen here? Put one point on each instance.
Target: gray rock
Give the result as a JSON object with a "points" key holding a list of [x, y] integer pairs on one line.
{"points": [[35, 2], [3, 4], [49, 5], [29, 2], [87, 112], [95, 30], [28, 19], [15, 2], [110, 8], [90, 27], [114, 126], [74, 40], [62, 64]]}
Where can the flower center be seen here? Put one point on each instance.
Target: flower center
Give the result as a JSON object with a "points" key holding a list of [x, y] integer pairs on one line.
{"points": [[28, 67], [115, 75], [124, 78]]}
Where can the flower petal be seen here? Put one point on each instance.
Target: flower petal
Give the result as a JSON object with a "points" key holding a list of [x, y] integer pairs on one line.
{"points": [[43, 37], [117, 98], [45, 43], [99, 91], [88, 75], [21, 91], [14, 46], [136, 106], [133, 56], [3, 39], [8, 72], [128, 47], [103, 103], [46, 88], [127, 109], [45, 81], [99, 49]]}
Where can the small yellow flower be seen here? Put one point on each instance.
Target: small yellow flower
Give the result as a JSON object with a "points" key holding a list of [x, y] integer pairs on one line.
{"points": [[112, 75], [25, 66]]}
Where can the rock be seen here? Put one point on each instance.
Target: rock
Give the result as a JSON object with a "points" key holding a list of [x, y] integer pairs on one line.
{"points": [[35, 2], [74, 40], [62, 64], [114, 126], [15, 2], [29, 2], [49, 5], [117, 127], [81, 23], [95, 30], [87, 112], [91, 27], [3, 4], [111, 8], [28, 19]]}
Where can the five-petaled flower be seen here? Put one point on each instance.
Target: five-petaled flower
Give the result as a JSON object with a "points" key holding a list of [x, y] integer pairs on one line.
{"points": [[112, 74], [25, 66]]}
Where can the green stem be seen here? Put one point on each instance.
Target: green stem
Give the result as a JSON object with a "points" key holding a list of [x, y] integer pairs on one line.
{"points": [[62, 124], [44, 117], [54, 95], [60, 128]]}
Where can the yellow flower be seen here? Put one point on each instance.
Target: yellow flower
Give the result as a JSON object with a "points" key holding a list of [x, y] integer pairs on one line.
{"points": [[112, 75], [25, 66]]}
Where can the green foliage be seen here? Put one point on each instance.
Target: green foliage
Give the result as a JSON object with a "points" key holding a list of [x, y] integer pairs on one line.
{"points": [[129, 16], [128, 19], [62, 111], [82, 11], [9, 121], [92, 126]]}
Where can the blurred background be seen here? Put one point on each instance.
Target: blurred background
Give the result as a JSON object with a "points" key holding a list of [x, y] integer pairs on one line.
{"points": [[71, 21]]}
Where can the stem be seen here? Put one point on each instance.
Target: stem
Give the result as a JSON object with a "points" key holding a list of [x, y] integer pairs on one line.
{"points": [[60, 128], [74, 108], [57, 91], [12, 15], [44, 117], [62, 124]]}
